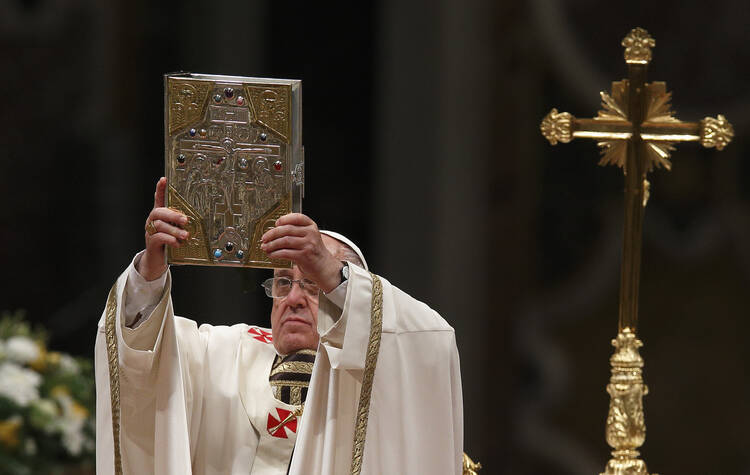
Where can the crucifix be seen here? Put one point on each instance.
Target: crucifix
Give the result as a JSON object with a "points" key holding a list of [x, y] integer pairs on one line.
{"points": [[636, 130], [228, 208]]}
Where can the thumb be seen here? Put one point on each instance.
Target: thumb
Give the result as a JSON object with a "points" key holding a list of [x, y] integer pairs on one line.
{"points": [[161, 187]]}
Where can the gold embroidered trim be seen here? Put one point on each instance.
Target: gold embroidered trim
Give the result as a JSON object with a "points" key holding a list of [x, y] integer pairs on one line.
{"points": [[293, 367], [295, 384], [295, 395], [373, 348], [114, 373], [306, 352]]}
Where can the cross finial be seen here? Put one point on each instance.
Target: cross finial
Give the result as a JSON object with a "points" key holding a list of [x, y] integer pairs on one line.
{"points": [[716, 132], [638, 46]]}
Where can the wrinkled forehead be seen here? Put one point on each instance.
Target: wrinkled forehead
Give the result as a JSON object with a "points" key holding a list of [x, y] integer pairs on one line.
{"points": [[293, 273]]}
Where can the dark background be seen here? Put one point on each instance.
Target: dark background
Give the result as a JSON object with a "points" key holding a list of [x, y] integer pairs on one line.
{"points": [[421, 130]]}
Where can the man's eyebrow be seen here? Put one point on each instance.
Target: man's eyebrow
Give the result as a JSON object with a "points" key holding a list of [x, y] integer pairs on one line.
{"points": [[282, 273]]}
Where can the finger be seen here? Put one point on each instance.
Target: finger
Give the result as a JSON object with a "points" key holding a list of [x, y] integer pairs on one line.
{"points": [[285, 242], [164, 227], [284, 230], [296, 219], [161, 239], [298, 258], [287, 254], [161, 187], [168, 215]]}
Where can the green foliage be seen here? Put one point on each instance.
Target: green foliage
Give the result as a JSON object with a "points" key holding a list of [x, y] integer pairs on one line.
{"points": [[15, 324]]}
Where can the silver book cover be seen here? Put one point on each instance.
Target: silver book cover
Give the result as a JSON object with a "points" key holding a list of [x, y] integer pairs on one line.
{"points": [[234, 163]]}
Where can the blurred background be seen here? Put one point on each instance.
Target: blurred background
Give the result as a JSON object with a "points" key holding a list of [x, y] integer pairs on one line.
{"points": [[421, 129]]}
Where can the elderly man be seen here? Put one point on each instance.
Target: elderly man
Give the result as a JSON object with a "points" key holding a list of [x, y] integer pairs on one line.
{"points": [[383, 396]]}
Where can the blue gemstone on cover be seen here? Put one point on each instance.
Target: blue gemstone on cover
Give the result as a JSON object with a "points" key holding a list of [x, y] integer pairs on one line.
{"points": [[217, 253]]}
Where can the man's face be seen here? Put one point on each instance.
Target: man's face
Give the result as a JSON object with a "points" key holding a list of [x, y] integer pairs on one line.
{"points": [[294, 319]]}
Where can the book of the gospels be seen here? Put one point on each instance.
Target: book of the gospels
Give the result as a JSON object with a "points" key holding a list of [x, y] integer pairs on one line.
{"points": [[234, 163]]}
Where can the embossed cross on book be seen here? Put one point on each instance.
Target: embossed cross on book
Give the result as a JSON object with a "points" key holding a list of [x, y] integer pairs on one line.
{"points": [[636, 130]]}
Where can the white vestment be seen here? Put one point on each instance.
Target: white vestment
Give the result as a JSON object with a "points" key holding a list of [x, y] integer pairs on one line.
{"points": [[197, 399]]}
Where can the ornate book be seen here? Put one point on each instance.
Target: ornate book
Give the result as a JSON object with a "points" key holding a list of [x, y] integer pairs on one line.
{"points": [[234, 163]]}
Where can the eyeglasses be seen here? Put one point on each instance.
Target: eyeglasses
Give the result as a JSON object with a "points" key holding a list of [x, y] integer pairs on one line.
{"points": [[279, 287]]}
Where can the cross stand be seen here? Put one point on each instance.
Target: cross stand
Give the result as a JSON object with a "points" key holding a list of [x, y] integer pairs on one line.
{"points": [[636, 130]]}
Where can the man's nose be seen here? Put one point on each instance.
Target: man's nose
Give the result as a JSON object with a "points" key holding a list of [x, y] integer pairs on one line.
{"points": [[296, 295]]}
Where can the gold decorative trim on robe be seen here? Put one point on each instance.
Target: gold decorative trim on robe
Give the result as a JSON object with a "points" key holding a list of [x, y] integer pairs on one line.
{"points": [[290, 376], [110, 327], [373, 349]]}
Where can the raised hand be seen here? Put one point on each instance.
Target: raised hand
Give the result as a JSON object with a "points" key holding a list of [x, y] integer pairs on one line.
{"points": [[163, 228], [296, 237]]}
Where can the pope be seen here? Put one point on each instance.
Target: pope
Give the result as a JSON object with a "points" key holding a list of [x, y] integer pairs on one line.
{"points": [[354, 376]]}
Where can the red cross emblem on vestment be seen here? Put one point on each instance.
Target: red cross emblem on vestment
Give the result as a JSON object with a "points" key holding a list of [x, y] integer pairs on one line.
{"points": [[287, 419], [261, 335]]}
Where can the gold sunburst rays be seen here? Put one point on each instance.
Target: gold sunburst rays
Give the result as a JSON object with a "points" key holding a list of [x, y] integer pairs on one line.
{"points": [[658, 111], [613, 152], [659, 103], [614, 107], [659, 155]]}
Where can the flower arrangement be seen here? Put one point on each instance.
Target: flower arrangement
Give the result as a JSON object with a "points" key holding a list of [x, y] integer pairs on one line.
{"points": [[46, 404]]}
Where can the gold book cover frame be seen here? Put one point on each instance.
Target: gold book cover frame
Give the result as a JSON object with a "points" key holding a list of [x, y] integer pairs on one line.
{"points": [[234, 163]]}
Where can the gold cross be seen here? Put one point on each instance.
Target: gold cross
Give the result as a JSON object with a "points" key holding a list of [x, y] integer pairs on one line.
{"points": [[636, 130]]}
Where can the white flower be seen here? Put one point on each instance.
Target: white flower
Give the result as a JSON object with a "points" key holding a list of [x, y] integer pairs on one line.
{"points": [[43, 414], [22, 349], [68, 364], [73, 440], [71, 423], [19, 384], [30, 447]]}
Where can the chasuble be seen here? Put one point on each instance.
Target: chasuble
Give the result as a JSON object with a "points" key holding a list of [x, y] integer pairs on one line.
{"points": [[197, 399]]}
